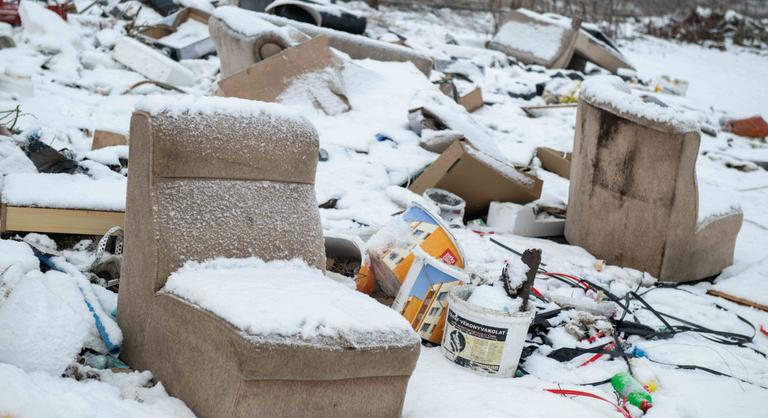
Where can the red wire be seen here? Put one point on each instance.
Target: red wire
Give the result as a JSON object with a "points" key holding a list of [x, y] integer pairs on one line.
{"points": [[581, 282], [594, 358], [763, 330], [621, 410]]}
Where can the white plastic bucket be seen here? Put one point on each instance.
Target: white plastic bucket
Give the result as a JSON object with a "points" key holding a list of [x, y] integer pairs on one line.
{"points": [[484, 340], [451, 206]]}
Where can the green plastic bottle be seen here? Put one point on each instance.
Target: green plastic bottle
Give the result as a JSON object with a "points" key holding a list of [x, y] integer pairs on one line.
{"points": [[632, 391]]}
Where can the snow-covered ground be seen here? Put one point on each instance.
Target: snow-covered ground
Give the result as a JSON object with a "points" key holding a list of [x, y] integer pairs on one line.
{"points": [[67, 95]]}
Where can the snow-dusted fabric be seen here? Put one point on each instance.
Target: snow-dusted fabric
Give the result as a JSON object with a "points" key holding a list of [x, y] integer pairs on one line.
{"points": [[633, 198], [216, 177], [243, 39]]}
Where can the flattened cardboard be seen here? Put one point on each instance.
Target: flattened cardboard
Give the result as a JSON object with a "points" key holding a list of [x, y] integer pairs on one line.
{"points": [[479, 184], [103, 139], [472, 100], [555, 161], [267, 79]]}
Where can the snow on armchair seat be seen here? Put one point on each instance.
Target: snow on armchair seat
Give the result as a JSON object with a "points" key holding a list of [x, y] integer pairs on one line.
{"points": [[634, 199], [220, 177], [61, 203]]}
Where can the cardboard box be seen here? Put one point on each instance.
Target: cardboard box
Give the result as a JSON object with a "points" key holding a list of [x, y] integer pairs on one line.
{"points": [[478, 179], [472, 100], [555, 161], [267, 79], [167, 37], [103, 139]]}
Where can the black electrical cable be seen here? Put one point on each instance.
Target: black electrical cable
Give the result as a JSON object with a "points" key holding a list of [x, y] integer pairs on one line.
{"points": [[706, 369]]}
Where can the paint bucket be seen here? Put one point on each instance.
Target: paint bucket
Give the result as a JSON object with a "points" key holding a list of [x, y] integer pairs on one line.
{"points": [[451, 206], [485, 340]]}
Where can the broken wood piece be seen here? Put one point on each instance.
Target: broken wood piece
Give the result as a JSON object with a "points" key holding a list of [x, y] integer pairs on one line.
{"points": [[736, 299], [58, 221]]}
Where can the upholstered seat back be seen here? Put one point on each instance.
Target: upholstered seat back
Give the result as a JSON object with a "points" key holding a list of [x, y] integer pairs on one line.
{"points": [[233, 183], [239, 49], [633, 198]]}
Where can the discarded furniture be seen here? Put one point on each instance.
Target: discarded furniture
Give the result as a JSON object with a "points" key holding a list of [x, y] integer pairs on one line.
{"points": [[359, 47], [242, 39], [322, 14], [592, 45], [556, 41], [536, 39], [221, 177], [633, 198], [249, 72]]}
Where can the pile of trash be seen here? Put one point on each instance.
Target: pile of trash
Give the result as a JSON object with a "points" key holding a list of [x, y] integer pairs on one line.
{"points": [[711, 28], [430, 202]]}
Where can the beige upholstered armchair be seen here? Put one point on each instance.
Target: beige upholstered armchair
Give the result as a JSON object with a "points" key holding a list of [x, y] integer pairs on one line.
{"points": [[633, 197], [219, 177]]}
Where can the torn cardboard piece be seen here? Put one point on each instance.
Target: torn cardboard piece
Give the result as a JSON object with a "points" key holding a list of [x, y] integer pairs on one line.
{"points": [[269, 79], [536, 111], [472, 100], [102, 139], [555, 161], [183, 35], [477, 178]]}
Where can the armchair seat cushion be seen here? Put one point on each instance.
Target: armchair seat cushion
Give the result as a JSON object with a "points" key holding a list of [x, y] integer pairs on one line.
{"points": [[288, 303]]}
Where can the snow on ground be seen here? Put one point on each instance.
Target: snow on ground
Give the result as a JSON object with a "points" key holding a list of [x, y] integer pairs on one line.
{"points": [[66, 96]]}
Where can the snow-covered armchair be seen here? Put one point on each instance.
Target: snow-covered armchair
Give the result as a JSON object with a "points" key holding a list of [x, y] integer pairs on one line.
{"points": [[634, 199], [243, 37], [231, 179]]}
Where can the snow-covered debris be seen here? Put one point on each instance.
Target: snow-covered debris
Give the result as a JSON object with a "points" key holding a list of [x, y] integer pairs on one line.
{"points": [[288, 301], [121, 395], [42, 330], [66, 191], [152, 63]]}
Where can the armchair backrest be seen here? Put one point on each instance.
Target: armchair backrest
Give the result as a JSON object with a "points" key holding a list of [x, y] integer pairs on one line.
{"points": [[243, 39], [633, 198], [218, 177]]}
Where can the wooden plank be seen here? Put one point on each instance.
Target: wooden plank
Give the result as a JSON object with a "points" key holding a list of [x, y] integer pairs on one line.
{"points": [[60, 221], [737, 299]]}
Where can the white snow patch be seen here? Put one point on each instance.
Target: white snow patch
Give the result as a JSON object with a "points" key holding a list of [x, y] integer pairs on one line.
{"points": [[279, 299], [65, 191]]}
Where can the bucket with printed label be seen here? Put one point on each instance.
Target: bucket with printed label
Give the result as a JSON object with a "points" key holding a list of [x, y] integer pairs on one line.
{"points": [[484, 340]]}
